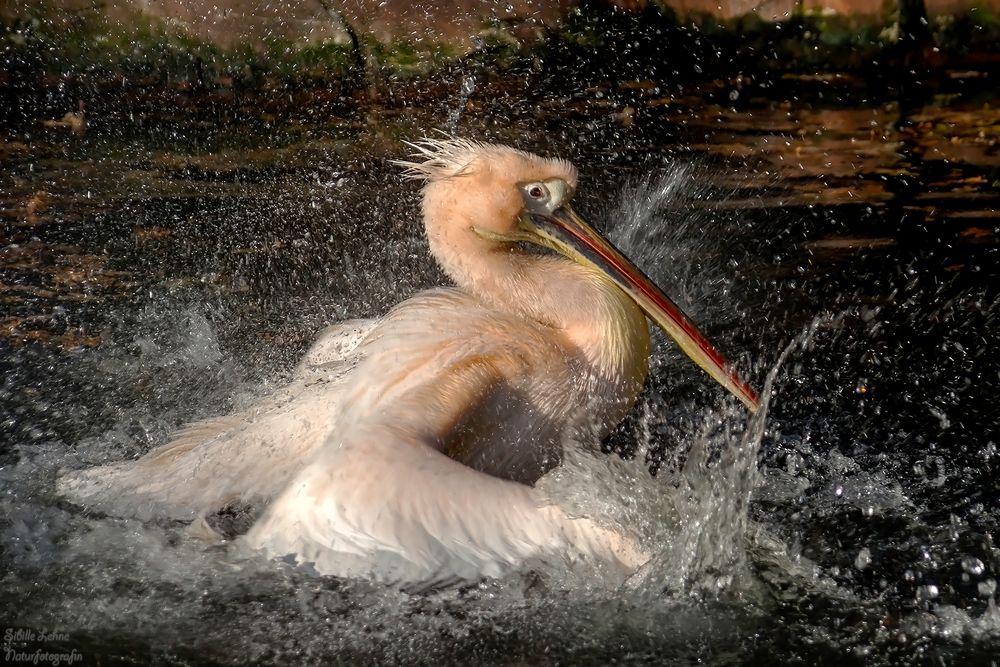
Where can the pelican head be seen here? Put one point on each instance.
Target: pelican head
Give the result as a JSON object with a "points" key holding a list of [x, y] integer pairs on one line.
{"points": [[481, 200]]}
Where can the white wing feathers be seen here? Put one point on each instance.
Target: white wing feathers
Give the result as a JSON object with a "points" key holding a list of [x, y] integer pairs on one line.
{"points": [[382, 500], [352, 459], [401, 512], [249, 456]]}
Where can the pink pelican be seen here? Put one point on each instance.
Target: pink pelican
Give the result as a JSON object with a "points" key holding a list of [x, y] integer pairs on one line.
{"points": [[405, 449]]}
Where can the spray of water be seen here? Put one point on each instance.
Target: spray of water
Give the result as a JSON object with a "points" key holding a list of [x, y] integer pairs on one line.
{"points": [[466, 90], [662, 223], [716, 486]]}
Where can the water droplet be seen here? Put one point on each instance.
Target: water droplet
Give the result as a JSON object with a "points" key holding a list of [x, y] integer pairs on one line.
{"points": [[973, 565], [927, 592], [864, 559], [734, 95]]}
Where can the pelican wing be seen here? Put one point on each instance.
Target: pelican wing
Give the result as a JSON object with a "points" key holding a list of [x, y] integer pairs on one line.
{"points": [[383, 498], [245, 457], [507, 379], [385, 505], [363, 461]]}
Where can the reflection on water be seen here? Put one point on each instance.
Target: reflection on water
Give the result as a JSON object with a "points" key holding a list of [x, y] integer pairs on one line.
{"points": [[143, 287]]}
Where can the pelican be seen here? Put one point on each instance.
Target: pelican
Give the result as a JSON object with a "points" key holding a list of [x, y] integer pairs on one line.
{"points": [[406, 449]]}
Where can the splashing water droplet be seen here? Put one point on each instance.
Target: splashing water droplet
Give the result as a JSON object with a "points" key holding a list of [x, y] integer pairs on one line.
{"points": [[927, 592], [467, 88], [973, 565]]}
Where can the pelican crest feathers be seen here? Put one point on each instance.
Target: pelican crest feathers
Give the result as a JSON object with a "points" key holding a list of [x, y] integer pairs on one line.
{"points": [[439, 158]]}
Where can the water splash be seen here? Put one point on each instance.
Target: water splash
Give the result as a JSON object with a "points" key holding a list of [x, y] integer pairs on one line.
{"points": [[466, 90], [716, 486], [661, 224]]}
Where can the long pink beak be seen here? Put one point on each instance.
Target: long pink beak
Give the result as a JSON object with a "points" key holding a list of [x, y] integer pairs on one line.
{"points": [[567, 233]]}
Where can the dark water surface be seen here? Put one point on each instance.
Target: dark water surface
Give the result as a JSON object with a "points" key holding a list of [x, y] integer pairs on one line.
{"points": [[166, 272]]}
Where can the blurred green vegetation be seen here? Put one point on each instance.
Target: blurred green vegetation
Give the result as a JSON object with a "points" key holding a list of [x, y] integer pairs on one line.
{"points": [[52, 61]]}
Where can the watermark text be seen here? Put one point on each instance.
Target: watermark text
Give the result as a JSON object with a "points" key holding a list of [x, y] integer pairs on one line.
{"points": [[20, 646]]}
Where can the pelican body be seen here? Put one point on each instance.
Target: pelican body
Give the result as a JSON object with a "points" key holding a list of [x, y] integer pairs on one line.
{"points": [[405, 449]]}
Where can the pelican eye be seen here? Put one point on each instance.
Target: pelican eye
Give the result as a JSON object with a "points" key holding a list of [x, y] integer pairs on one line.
{"points": [[540, 198], [537, 191]]}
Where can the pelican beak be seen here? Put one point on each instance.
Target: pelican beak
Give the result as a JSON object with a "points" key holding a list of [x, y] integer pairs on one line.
{"points": [[549, 221]]}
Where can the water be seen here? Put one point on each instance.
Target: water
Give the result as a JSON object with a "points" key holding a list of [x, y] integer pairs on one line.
{"points": [[467, 88], [848, 263]]}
